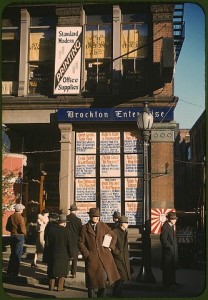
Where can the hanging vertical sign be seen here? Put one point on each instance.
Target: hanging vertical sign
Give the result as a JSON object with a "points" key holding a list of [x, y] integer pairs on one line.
{"points": [[68, 60]]}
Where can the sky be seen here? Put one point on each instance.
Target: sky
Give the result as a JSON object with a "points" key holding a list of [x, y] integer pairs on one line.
{"points": [[189, 77]]}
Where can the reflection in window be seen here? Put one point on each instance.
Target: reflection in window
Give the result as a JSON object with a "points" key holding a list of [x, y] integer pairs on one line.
{"points": [[40, 78], [134, 49], [97, 57], [41, 58], [10, 57]]}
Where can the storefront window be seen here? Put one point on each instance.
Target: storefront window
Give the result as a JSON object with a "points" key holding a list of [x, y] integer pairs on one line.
{"points": [[108, 174], [41, 55], [10, 53], [98, 54], [134, 51]]}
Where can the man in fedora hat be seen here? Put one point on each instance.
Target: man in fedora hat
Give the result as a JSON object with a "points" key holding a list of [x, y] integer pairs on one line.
{"points": [[121, 255], [169, 250], [100, 266], [74, 225], [116, 215], [16, 226], [59, 246]]}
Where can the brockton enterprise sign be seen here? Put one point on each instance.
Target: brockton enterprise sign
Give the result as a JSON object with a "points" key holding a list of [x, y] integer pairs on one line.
{"points": [[111, 114]]}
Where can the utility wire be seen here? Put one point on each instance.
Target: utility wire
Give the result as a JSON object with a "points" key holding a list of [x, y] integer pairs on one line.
{"points": [[192, 103]]}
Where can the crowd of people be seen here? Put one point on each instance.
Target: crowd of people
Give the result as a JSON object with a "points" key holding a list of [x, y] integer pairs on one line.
{"points": [[60, 239]]}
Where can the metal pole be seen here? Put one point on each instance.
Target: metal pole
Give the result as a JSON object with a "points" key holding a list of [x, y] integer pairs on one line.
{"points": [[41, 192], [145, 273]]}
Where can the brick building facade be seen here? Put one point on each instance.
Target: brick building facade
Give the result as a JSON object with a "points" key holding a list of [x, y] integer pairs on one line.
{"points": [[81, 128]]}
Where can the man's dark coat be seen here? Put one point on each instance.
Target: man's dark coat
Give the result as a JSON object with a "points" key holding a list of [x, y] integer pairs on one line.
{"points": [[74, 225], [121, 254], [58, 245], [169, 253]]}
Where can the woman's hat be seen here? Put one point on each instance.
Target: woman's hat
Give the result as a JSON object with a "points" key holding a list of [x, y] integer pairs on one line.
{"points": [[116, 214], [18, 207], [94, 212], [73, 207], [172, 216], [123, 219]]}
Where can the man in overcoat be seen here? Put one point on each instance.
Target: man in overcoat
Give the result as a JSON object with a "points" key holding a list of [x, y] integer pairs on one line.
{"points": [[74, 225], [100, 266], [115, 216], [59, 250], [169, 250], [121, 255]]}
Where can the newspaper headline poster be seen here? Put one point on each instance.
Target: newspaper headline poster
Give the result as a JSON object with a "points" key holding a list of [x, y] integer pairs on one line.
{"points": [[86, 142], [110, 197], [134, 212], [110, 142], [133, 189], [132, 142], [110, 166], [85, 189], [133, 165], [83, 209], [68, 60], [85, 165]]}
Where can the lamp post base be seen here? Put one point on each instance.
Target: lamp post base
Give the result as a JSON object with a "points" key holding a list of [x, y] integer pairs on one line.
{"points": [[145, 275]]}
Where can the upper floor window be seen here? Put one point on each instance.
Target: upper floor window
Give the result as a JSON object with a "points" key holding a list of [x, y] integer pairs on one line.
{"points": [[98, 36], [41, 53], [10, 52], [134, 51]]}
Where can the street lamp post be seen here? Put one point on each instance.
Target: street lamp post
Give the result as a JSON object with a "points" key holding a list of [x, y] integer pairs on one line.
{"points": [[144, 123]]}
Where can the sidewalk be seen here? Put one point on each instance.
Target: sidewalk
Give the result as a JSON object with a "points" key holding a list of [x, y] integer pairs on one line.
{"points": [[191, 282]]}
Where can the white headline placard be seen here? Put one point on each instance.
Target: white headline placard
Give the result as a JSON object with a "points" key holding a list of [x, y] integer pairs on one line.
{"points": [[68, 60]]}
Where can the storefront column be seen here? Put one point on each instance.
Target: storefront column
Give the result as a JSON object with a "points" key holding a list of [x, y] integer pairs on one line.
{"points": [[66, 178], [116, 49], [23, 69]]}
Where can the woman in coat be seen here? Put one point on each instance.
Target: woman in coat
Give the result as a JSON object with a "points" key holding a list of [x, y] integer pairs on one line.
{"points": [[99, 263], [169, 250], [59, 252], [42, 221], [121, 255]]}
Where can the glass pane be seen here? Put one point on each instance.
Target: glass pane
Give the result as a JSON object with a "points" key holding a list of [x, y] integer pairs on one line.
{"points": [[141, 38], [98, 76], [99, 19], [9, 72], [11, 17], [42, 44], [10, 50], [134, 78], [134, 40], [141, 71], [128, 65], [133, 18], [41, 78], [90, 41], [98, 41], [43, 21], [104, 76], [91, 75], [126, 35]]}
